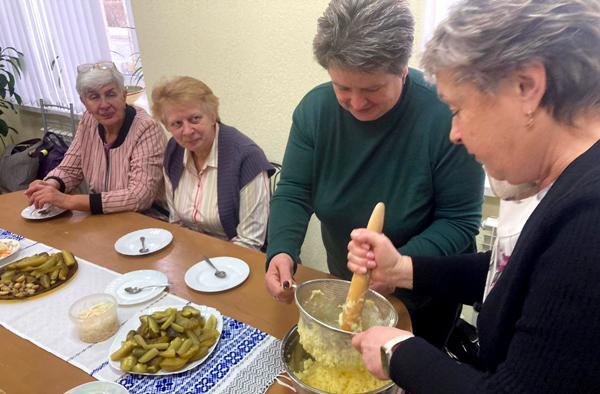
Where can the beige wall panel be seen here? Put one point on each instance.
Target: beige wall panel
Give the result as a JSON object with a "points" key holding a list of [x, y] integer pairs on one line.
{"points": [[255, 55]]}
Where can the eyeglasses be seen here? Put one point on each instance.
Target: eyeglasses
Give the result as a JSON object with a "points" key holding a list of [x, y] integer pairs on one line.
{"points": [[103, 65]]}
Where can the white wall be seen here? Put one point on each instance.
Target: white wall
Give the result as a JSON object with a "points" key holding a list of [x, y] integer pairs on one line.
{"points": [[255, 55]]}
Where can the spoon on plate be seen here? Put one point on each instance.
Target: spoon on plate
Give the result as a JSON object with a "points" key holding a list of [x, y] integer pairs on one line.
{"points": [[136, 289], [218, 273], [143, 249]]}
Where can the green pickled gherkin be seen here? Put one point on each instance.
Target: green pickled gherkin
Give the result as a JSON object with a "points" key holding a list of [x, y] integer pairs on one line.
{"points": [[128, 363]]}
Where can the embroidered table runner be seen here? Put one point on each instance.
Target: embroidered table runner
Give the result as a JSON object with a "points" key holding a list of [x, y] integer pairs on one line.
{"points": [[246, 360]]}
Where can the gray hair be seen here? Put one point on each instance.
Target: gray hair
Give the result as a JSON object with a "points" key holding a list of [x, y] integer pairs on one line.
{"points": [[483, 41], [96, 78], [365, 35]]}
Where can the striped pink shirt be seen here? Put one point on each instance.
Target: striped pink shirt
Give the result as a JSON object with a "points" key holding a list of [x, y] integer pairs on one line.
{"points": [[129, 177]]}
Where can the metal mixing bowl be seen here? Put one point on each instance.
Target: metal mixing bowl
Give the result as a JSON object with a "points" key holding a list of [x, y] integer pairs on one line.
{"points": [[293, 356], [320, 303]]}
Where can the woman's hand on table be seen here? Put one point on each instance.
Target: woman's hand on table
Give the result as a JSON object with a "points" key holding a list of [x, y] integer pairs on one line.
{"points": [[46, 192], [280, 272], [369, 344], [369, 250], [39, 184]]}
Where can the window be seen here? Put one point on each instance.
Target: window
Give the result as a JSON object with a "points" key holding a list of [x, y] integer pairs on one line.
{"points": [[55, 36], [122, 40], [435, 12]]}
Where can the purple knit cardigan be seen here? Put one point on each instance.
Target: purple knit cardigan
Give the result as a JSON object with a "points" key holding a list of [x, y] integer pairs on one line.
{"points": [[240, 160]]}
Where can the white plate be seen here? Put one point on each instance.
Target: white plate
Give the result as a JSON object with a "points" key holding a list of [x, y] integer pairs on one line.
{"points": [[155, 240], [32, 213], [98, 388], [140, 278], [202, 277], [134, 323], [8, 247]]}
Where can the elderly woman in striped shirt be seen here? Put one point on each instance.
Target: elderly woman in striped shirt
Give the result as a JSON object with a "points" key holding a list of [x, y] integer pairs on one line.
{"points": [[117, 150], [216, 178]]}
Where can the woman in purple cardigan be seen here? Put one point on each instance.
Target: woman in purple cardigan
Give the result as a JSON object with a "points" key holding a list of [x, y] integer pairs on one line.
{"points": [[522, 78], [216, 178]]}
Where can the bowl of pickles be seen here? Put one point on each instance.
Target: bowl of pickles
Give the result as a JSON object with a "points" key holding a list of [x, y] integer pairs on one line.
{"points": [[37, 274], [166, 340]]}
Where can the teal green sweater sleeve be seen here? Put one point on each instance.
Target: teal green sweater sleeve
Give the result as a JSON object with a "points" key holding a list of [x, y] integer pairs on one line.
{"points": [[339, 168], [291, 206]]}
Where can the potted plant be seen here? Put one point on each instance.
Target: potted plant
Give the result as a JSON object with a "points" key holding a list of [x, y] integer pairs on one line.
{"points": [[10, 70], [134, 89]]}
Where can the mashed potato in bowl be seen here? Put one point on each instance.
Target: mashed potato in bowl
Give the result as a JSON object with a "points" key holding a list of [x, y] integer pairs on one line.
{"points": [[339, 380], [318, 355], [315, 375]]}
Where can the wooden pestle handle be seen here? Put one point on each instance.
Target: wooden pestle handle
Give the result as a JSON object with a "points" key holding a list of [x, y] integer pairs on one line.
{"points": [[360, 282]]}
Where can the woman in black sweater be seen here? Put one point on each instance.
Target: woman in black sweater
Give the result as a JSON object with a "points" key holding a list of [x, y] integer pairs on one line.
{"points": [[522, 78]]}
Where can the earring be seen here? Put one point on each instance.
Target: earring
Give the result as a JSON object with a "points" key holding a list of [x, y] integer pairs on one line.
{"points": [[530, 120]]}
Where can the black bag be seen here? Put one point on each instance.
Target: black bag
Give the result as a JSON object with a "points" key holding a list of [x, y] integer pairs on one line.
{"points": [[50, 153], [463, 344], [19, 165]]}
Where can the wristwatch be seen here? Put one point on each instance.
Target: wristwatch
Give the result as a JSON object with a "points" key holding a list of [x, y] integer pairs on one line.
{"points": [[387, 349]]}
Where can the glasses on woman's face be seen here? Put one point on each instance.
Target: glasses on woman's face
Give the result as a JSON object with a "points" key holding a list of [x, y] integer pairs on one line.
{"points": [[103, 65]]}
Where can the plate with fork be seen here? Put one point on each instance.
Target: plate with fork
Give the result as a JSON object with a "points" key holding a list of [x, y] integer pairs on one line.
{"points": [[47, 212], [137, 286]]}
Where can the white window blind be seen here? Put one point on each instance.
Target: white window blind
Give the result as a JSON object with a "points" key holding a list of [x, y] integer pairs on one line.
{"points": [[55, 36]]}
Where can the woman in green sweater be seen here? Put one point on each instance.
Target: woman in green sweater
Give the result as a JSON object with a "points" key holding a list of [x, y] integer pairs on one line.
{"points": [[376, 132]]}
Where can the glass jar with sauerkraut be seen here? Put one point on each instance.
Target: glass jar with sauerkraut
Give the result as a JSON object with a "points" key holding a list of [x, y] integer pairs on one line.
{"points": [[95, 317]]}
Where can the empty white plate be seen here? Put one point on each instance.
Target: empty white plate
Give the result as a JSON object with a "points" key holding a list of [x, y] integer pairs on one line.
{"points": [[140, 278], [32, 213], [155, 239], [202, 277], [98, 387]]}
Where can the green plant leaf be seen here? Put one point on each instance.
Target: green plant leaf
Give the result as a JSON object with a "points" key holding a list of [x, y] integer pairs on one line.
{"points": [[16, 66], [8, 77], [3, 128], [7, 104]]}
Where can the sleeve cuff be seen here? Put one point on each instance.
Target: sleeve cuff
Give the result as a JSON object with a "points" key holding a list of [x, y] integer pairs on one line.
{"points": [[61, 184], [96, 203], [294, 260]]}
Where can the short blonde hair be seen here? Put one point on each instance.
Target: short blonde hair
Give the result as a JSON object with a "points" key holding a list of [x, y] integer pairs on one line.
{"points": [[183, 90]]}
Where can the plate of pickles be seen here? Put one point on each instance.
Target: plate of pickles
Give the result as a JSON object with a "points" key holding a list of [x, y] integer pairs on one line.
{"points": [[35, 275], [166, 340]]}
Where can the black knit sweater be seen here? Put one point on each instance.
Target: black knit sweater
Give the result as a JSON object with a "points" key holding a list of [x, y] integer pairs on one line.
{"points": [[539, 328], [239, 161]]}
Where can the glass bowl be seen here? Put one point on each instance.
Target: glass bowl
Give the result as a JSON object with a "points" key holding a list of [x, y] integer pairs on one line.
{"points": [[95, 317]]}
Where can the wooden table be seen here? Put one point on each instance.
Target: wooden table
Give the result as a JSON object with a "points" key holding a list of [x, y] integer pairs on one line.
{"points": [[26, 368]]}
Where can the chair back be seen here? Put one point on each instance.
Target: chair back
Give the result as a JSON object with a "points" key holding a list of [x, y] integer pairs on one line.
{"points": [[58, 119], [275, 178]]}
